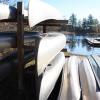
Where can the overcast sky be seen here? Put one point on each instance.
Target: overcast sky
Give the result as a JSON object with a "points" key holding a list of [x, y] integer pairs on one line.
{"points": [[82, 8]]}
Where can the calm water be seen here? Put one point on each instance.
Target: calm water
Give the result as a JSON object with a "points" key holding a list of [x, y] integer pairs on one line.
{"points": [[78, 45]]}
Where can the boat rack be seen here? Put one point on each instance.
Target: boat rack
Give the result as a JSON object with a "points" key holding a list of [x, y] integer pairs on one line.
{"points": [[21, 21]]}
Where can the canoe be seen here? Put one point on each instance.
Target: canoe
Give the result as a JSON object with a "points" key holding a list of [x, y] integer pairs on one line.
{"points": [[7, 12], [94, 60], [64, 83], [40, 11], [88, 82], [73, 88], [8, 40], [36, 10], [9, 64], [51, 75], [49, 47]]}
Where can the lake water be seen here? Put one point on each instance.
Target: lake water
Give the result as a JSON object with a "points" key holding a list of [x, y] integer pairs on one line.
{"points": [[78, 45]]}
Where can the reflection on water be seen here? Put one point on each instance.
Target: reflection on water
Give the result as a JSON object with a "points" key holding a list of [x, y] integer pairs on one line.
{"points": [[78, 45]]}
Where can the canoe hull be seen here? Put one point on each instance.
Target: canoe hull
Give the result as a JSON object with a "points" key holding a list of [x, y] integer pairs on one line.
{"points": [[88, 82], [51, 75], [48, 48], [8, 12], [40, 11], [36, 10]]}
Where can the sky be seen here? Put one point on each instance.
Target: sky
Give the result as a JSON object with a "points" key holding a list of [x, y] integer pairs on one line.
{"points": [[81, 8]]}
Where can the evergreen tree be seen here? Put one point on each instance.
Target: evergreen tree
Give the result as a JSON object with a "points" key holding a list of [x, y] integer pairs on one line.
{"points": [[73, 20], [90, 20], [85, 24], [4, 1], [79, 24]]}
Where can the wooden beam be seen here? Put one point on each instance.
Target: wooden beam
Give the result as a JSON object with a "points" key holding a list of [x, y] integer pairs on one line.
{"points": [[20, 44]]}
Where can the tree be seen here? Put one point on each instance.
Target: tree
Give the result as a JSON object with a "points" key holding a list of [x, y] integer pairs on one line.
{"points": [[90, 20], [84, 24], [4, 1], [79, 24], [93, 24], [73, 20]]}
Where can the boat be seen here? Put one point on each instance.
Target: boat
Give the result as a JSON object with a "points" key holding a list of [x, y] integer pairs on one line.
{"points": [[52, 43], [36, 10], [50, 76], [47, 12], [88, 81], [9, 63], [9, 12], [49, 60], [8, 40], [94, 60], [48, 48], [93, 42], [70, 88]]}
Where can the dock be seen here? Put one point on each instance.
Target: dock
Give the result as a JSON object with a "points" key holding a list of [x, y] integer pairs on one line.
{"points": [[93, 42], [81, 78]]}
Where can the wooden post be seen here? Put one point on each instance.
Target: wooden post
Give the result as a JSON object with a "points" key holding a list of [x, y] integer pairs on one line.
{"points": [[20, 44]]}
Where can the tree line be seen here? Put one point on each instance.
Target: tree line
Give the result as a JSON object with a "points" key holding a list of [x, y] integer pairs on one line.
{"points": [[87, 25]]}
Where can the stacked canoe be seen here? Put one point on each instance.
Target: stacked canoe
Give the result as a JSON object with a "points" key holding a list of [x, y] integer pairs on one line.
{"points": [[81, 78], [35, 10], [49, 59]]}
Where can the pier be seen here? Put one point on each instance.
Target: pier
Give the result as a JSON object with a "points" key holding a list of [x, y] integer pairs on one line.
{"points": [[93, 42]]}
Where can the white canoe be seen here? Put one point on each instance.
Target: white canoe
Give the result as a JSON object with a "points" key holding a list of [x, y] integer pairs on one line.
{"points": [[7, 12], [88, 82], [36, 10], [51, 75], [40, 11], [74, 90], [95, 65], [49, 47], [70, 86]]}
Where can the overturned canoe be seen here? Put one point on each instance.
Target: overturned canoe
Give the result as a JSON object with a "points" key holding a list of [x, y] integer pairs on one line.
{"points": [[7, 12], [88, 81], [94, 60], [8, 40], [9, 64], [51, 75], [40, 11], [49, 47], [74, 89], [36, 10]]}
